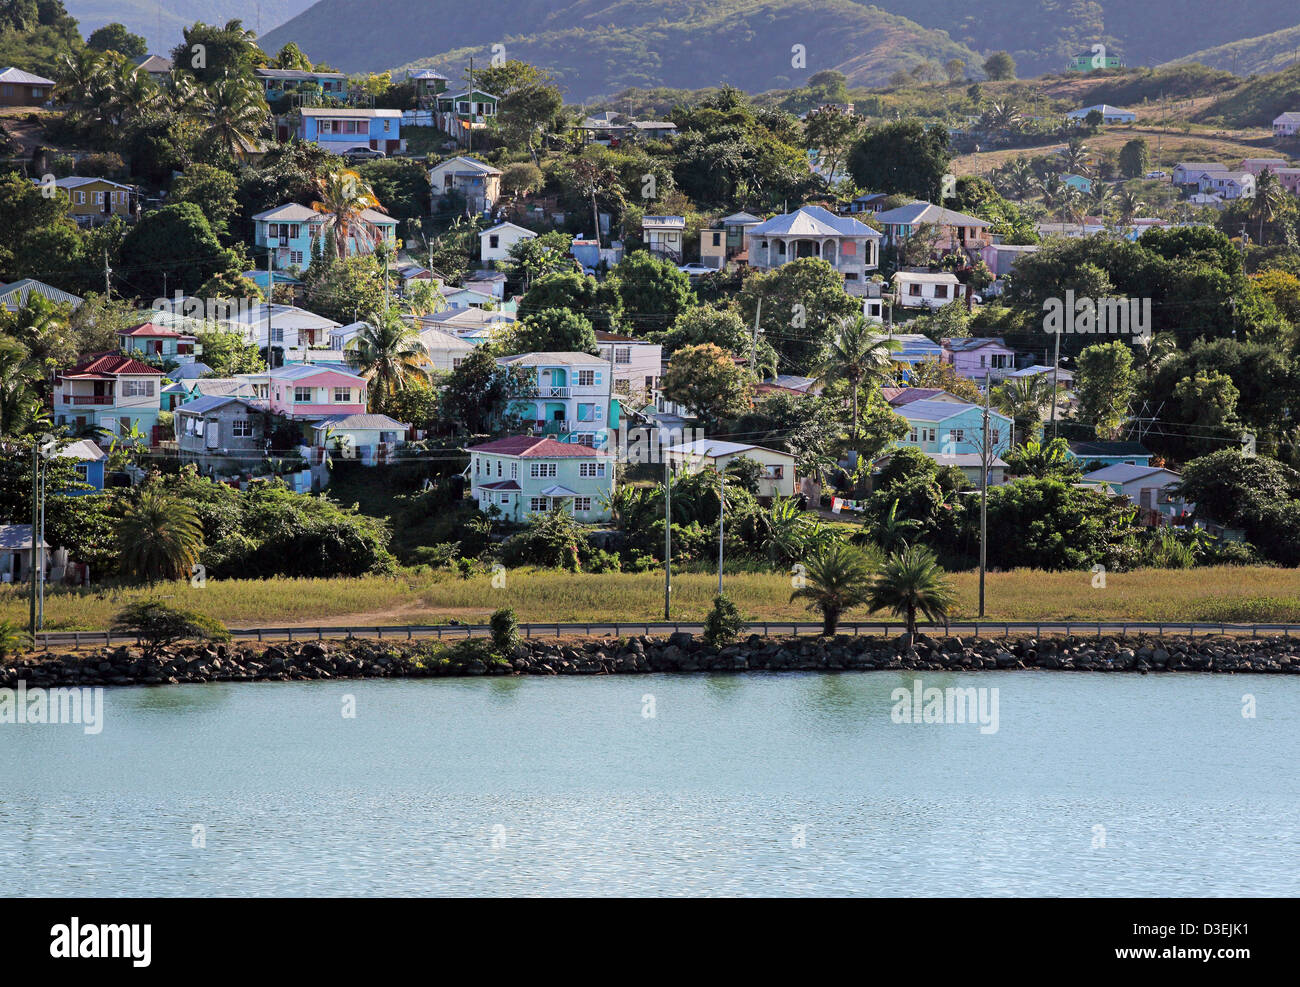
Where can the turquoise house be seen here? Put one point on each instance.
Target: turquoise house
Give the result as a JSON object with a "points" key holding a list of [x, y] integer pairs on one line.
{"points": [[286, 234], [946, 428], [1109, 453], [90, 465]]}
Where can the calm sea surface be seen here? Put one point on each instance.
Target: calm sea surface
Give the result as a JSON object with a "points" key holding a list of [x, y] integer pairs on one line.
{"points": [[754, 784]]}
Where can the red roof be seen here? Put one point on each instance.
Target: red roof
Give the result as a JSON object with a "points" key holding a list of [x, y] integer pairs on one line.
{"points": [[531, 447], [98, 364], [148, 329]]}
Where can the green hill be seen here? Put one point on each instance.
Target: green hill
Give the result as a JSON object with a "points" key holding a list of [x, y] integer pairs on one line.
{"points": [[161, 23], [595, 47], [1249, 56]]}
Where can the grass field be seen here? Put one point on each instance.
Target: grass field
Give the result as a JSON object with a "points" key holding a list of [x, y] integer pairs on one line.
{"points": [[1210, 595]]}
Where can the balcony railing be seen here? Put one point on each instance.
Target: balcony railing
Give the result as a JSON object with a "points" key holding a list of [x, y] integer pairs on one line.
{"points": [[75, 399]]}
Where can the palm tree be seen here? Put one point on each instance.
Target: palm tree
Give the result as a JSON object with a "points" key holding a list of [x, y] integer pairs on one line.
{"points": [[1074, 157], [344, 198], [1042, 460], [1018, 179], [389, 355], [1128, 205], [1152, 352], [160, 537], [236, 113], [1270, 198], [1026, 400], [858, 355], [20, 405], [909, 582], [891, 530], [1101, 198], [837, 578]]}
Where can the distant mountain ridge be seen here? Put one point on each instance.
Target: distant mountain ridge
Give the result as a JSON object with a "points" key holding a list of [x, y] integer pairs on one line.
{"points": [[163, 30]]}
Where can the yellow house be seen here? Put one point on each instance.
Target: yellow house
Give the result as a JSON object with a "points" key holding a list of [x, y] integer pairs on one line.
{"points": [[777, 478], [94, 200]]}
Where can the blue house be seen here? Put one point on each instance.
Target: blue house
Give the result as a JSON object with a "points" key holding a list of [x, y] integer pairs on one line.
{"points": [[913, 348], [343, 128], [276, 82], [287, 233], [90, 465], [1110, 453], [952, 429]]}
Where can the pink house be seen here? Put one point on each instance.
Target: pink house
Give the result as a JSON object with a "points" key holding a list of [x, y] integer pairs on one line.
{"points": [[973, 358], [305, 391], [1289, 178]]}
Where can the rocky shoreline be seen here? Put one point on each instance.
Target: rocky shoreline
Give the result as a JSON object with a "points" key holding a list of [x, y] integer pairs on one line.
{"points": [[678, 653]]}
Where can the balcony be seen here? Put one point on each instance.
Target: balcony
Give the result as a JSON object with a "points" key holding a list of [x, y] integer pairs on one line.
{"points": [[85, 399]]}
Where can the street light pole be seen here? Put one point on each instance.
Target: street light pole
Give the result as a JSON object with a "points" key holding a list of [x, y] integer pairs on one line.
{"points": [[985, 460], [722, 514], [668, 534]]}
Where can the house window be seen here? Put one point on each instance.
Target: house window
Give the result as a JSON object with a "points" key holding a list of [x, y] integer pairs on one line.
{"points": [[99, 198], [81, 198], [957, 435], [295, 257], [649, 383], [717, 239], [82, 472], [342, 395], [911, 436], [996, 433], [622, 354], [541, 470], [137, 388], [940, 291], [774, 472], [914, 290], [587, 439], [514, 471], [476, 465], [277, 335], [581, 504], [504, 498], [302, 395], [494, 241], [241, 428], [591, 469], [536, 504], [500, 467], [586, 378]]}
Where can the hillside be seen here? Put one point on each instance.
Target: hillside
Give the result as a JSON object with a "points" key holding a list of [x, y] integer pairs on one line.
{"points": [[161, 23], [600, 46], [1266, 53], [595, 47]]}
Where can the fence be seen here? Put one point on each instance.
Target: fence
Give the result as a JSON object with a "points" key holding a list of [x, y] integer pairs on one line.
{"points": [[625, 628]]}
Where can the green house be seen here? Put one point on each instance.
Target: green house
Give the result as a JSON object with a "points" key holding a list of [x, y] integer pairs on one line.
{"points": [[1086, 61]]}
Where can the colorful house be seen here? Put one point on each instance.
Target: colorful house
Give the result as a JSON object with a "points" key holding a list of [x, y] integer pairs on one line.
{"points": [[953, 230], [222, 434], [90, 465], [112, 392], [287, 233], [460, 114], [1109, 453], [570, 397], [306, 392], [636, 364], [96, 200], [1152, 488], [973, 358], [851, 247], [276, 82], [150, 341], [953, 428], [19, 88], [340, 129], [718, 246], [525, 475], [1086, 61]]}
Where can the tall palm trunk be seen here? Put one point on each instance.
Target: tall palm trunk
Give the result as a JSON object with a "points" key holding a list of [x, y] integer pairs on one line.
{"points": [[830, 621]]}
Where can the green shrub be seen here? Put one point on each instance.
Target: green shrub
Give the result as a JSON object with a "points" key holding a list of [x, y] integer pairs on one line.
{"points": [[13, 639], [158, 625], [505, 630], [724, 623]]}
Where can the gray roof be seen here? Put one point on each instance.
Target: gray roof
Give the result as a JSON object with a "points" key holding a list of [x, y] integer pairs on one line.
{"points": [[812, 221], [715, 447], [211, 402], [361, 421], [14, 295], [1126, 473], [15, 537], [84, 449], [190, 371], [925, 212], [933, 411], [154, 63], [20, 78], [223, 387]]}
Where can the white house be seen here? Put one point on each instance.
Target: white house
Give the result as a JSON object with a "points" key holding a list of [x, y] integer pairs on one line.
{"points": [[636, 365], [446, 350], [1148, 487], [495, 242], [663, 235], [925, 289], [1189, 172], [479, 183], [848, 245], [1286, 124], [1109, 114], [1227, 184], [778, 474]]}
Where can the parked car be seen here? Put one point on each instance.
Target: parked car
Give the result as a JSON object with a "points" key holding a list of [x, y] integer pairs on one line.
{"points": [[695, 270], [362, 154], [1156, 174]]}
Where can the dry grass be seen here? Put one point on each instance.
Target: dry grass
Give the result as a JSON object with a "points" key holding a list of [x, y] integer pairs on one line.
{"points": [[1210, 595]]}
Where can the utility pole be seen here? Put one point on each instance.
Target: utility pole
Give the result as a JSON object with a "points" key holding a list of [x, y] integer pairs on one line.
{"points": [[753, 343], [40, 571], [108, 285], [722, 515], [1056, 369], [985, 460], [668, 533], [469, 127], [31, 567]]}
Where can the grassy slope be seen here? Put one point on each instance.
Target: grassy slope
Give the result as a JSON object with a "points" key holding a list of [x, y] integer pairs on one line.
{"points": [[1193, 595]]}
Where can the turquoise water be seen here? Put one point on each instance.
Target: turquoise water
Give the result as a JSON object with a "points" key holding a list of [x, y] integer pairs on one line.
{"points": [[738, 785]]}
